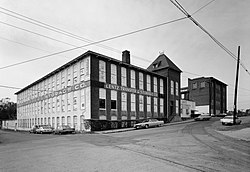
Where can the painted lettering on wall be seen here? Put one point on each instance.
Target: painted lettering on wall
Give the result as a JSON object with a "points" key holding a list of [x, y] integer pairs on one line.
{"points": [[56, 93], [130, 90]]}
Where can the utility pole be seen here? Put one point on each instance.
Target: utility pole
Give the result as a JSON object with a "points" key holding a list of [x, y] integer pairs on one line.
{"points": [[236, 86]]}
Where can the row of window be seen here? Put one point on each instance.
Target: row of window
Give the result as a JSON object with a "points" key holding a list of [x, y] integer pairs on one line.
{"points": [[124, 101], [72, 75], [202, 85], [54, 121], [113, 72], [72, 101]]}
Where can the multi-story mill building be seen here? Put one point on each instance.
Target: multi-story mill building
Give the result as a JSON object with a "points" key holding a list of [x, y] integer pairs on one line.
{"points": [[97, 92]]}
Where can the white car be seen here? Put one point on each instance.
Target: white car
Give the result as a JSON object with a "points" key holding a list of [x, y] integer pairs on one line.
{"points": [[149, 123], [229, 120], [203, 117]]}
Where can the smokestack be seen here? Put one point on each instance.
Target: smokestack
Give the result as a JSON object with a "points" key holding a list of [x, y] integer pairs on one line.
{"points": [[126, 56]]}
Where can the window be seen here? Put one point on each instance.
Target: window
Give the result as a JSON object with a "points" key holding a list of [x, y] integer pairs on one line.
{"points": [[124, 76], [124, 101], [133, 102], [63, 79], [68, 120], [53, 122], [63, 103], [140, 80], [113, 74], [41, 121], [102, 98], [132, 75], [161, 86], [69, 99], [53, 104], [141, 103], [75, 121], [54, 83], [177, 107], [102, 71], [148, 104], [148, 83], [45, 121], [83, 99], [203, 85], [58, 104], [69, 77], [113, 99], [176, 88], [155, 84], [58, 81], [82, 71], [172, 87], [57, 121], [161, 105], [49, 104], [75, 80], [155, 105], [194, 86], [63, 120], [45, 106], [75, 101], [48, 120]]}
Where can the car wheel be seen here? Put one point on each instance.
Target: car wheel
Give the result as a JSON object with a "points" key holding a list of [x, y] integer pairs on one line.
{"points": [[146, 126]]}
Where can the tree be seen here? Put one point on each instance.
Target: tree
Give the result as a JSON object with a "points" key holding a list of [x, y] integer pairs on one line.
{"points": [[8, 111]]}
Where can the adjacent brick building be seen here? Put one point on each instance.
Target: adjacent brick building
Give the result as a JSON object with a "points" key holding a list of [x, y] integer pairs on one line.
{"points": [[208, 93], [97, 92]]}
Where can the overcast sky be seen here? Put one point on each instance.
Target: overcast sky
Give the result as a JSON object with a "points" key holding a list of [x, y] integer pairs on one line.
{"points": [[182, 41]]}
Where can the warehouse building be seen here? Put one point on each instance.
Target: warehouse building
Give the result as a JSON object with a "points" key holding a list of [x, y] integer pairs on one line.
{"points": [[96, 92], [209, 94]]}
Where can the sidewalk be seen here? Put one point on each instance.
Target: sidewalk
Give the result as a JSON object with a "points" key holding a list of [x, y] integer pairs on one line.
{"points": [[131, 129]]}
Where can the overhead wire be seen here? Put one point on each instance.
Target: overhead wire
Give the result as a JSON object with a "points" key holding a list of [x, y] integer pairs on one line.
{"points": [[182, 9], [96, 42], [61, 31]]}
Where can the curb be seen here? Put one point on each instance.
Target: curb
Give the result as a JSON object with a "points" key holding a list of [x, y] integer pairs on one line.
{"points": [[131, 129]]}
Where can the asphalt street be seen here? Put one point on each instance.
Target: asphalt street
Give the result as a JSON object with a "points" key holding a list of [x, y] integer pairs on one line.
{"points": [[184, 147]]}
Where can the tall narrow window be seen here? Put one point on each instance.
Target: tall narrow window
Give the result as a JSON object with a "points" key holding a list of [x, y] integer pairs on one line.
{"points": [[69, 77], [63, 120], [83, 99], [58, 81], [124, 101], [113, 74], [63, 79], [141, 103], [124, 76], [53, 104], [177, 107], [53, 122], [75, 79], [82, 70], [58, 103], [69, 101], [140, 80], [87, 68], [172, 87], [63, 103], [57, 121], [132, 76], [113, 100], [54, 83], [155, 84], [161, 86], [102, 71], [161, 105], [75, 121], [177, 88], [68, 120], [49, 121], [155, 105], [148, 83], [102, 98], [133, 102], [148, 104], [75, 101]]}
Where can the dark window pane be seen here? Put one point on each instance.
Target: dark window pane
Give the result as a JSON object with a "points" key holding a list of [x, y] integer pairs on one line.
{"points": [[113, 104], [102, 103]]}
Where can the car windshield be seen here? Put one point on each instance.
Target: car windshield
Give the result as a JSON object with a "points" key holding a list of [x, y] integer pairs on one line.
{"points": [[228, 117]]}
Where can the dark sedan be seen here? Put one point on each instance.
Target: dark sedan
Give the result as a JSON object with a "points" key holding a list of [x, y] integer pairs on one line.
{"points": [[64, 129]]}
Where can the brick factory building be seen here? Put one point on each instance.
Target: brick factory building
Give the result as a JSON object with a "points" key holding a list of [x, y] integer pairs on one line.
{"points": [[96, 92], [209, 94]]}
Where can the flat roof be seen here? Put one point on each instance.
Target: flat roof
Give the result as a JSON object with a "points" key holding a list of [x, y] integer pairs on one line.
{"points": [[80, 58], [212, 78]]}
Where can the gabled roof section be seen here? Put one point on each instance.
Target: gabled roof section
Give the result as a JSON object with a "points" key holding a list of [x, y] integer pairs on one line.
{"points": [[163, 62]]}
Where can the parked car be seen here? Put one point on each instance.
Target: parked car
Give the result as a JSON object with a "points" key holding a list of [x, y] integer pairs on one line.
{"points": [[203, 117], [229, 120], [34, 128], [221, 114], [44, 129], [64, 129], [149, 123]]}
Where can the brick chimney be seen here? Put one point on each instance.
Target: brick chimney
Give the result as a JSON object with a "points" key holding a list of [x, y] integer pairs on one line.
{"points": [[126, 56]]}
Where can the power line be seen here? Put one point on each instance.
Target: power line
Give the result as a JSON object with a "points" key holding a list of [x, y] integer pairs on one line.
{"points": [[202, 7], [97, 42], [181, 8], [58, 30]]}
